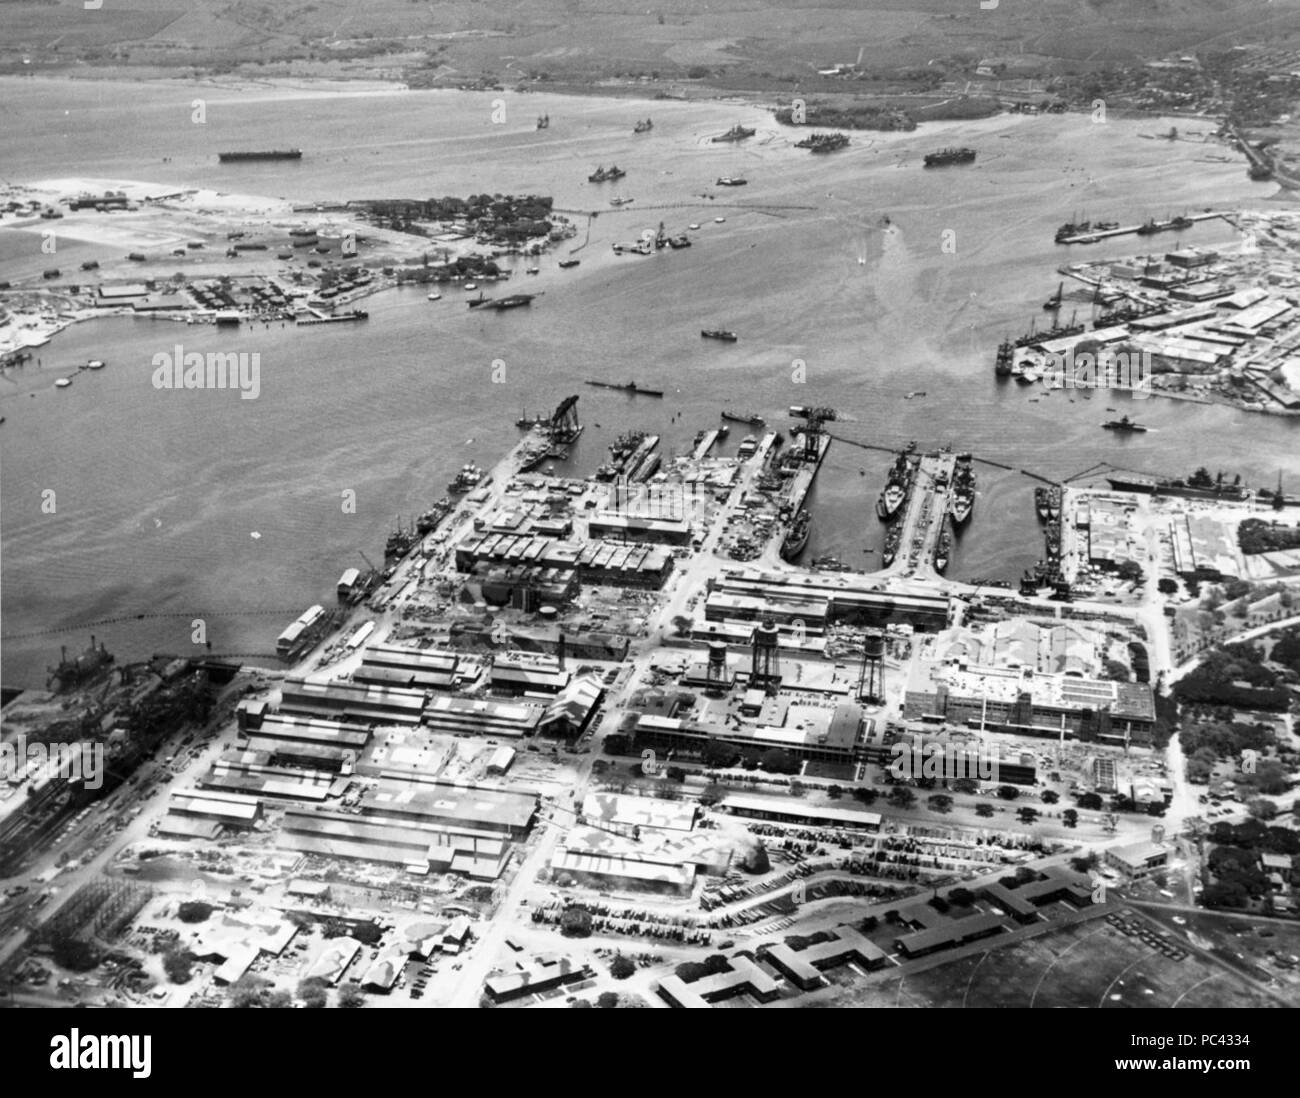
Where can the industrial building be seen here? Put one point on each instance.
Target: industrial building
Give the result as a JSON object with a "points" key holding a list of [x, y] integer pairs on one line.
{"points": [[788, 811], [849, 598], [834, 735], [1022, 702], [413, 668], [418, 846], [479, 807], [227, 809], [353, 701], [597, 562], [473, 716], [514, 674], [255, 773]]}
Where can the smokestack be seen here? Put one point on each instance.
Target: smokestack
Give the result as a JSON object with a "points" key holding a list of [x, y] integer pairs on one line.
{"points": [[559, 650]]}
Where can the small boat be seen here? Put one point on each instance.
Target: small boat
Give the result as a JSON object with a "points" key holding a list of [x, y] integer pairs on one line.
{"points": [[567, 263], [731, 181], [718, 333], [693, 225], [719, 220], [471, 285], [532, 270], [1124, 424], [63, 382], [915, 393], [435, 297], [95, 364]]}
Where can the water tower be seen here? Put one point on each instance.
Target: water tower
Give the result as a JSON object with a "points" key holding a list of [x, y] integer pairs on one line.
{"points": [[871, 678], [765, 671], [716, 672]]}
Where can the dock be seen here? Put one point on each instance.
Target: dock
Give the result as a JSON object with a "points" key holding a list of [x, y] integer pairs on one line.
{"points": [[924, 514], [1132, 230], [707, 443]]}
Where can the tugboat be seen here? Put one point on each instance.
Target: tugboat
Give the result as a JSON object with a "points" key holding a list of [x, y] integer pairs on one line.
{"points": [[605, 175], [1148, 228], [475, 302], [736, 133], [949, 156], [1124, 424], [797, 536], [963, 497], [718, 333], [1054, 302], [543, 121]]}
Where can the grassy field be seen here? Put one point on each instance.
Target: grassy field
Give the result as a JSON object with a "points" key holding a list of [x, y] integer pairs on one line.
{"points": [[1090, 965], [735, 43]]}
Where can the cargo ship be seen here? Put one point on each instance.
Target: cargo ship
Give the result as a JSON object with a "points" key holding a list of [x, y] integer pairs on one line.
{"points": [[736, 133], [751, 418], [949, 156], [796, 538], [823, 142], [942, 550], [963, 494], [627, 387], [605, 175], [1124, 424], [718, 333], [1200, 485], [273, 154], [1040, 503], [1003, 365]]}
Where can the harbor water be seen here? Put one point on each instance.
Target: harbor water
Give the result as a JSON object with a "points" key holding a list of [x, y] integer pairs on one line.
{"points": [[852, 279]]}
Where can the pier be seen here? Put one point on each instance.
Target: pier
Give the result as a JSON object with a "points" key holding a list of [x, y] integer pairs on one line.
{"points": [[924, 514], [1133, 230]]}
